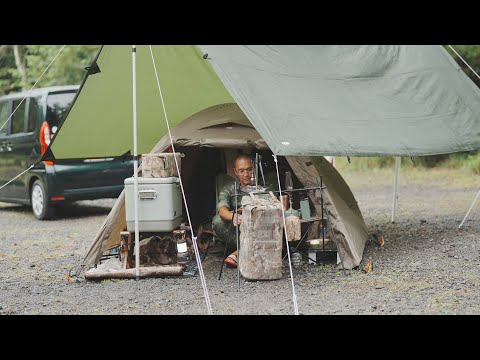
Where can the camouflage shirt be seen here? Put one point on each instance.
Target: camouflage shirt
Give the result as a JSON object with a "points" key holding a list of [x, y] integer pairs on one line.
{"points": [[226, 197]]}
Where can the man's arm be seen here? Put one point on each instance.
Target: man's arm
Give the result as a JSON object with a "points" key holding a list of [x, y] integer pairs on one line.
{"points": [[225, 214], [223, 205]]}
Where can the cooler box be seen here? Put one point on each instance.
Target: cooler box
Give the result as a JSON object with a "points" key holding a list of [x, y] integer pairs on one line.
{"points": [[261, 235], [159, 204]]}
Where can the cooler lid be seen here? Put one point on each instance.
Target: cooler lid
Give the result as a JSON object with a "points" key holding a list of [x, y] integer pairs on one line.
{"points": [[144, 180]]}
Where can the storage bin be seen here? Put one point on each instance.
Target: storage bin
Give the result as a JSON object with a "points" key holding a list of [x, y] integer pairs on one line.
{"points": [[261, 235], [161, 165]]}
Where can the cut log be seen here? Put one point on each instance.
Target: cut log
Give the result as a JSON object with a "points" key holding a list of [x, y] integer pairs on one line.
{"points": [[151, 271]]}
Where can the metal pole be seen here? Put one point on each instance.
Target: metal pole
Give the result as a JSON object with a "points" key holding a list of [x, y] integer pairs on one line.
{"points": [[395, 187], [135, 166], [256, 171], [261, 171], [322, 229], [468, 212], [236, 230], [295, 305]]}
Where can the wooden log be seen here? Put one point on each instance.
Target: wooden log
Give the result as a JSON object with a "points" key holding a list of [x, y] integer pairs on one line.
{"points": [[151, 271]]}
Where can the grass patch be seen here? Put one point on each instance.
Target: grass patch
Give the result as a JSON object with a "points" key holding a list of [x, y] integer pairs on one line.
{"points": [[360, 174], [467, 161]]}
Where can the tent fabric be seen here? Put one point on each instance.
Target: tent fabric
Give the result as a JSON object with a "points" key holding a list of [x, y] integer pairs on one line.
{"points": [[352, 100], [344, 216], [214, 127], [344, 100], [104, 106], [222, 126], [347, 226]]}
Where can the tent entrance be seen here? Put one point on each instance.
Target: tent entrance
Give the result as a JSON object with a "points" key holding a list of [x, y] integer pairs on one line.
{"points": [[205, 170]]}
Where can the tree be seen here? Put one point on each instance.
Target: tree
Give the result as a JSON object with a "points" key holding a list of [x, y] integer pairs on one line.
{"points": [[20, 51], [22, 65], [10, 78], [471, 54], [68, 68]]}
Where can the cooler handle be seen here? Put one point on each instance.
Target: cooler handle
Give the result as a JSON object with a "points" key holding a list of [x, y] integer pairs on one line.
{"points": [[149, 194]]}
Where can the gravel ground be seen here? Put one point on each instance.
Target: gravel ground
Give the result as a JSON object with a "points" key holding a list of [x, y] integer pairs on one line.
{"points": [[427, 265]]}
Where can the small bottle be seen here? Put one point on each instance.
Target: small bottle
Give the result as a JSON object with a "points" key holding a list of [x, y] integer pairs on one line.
{"points": [[296, 258], [182, 250]]}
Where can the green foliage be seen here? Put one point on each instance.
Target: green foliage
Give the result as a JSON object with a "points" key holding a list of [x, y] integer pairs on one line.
{"points": [[473, 164], [471, 54], [9, 77], [468, 161], [67, 69]]}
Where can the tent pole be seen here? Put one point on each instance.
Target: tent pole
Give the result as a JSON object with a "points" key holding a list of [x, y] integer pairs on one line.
{"points": [[468, 212], [236, 232], [395, 187], [135, 165]]}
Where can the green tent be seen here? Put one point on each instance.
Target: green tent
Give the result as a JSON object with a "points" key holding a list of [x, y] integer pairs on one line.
{"points": [[298, 101]]}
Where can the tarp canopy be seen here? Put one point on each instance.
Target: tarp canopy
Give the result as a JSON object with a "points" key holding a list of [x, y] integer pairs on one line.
{"points": [[345, 100]]}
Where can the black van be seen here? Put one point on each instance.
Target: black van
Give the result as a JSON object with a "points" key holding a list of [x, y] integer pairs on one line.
{"points": [[24, 139]]}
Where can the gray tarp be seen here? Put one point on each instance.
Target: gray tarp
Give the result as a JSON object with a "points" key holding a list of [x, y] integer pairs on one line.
{"points": [[352, 100]]}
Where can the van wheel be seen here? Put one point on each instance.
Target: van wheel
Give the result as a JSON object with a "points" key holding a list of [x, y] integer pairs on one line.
{"points": [[38, 198]]}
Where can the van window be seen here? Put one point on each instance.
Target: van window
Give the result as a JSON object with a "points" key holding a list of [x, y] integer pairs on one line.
{"points": [[3, 117], [57, 107], [18, 118], [33, 114]]}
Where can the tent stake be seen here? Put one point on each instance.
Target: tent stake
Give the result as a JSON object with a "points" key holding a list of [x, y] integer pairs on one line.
{"points": [[135, 167]]}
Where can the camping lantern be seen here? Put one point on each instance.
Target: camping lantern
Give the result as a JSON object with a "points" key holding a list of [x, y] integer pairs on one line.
{"points": [[182, 250]]}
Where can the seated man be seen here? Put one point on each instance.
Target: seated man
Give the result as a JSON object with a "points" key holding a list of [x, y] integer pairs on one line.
{"points": [[225, 220]]}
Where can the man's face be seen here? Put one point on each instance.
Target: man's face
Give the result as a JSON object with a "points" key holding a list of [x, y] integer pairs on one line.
{"points": [[244, 171]]}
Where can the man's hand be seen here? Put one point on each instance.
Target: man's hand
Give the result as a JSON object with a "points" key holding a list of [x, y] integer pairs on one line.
{"points": [[237, 219], [228, 215]]}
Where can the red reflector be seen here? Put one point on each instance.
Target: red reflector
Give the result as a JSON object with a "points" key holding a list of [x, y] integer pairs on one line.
{"points": [[57, 198], [48, 162]]}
